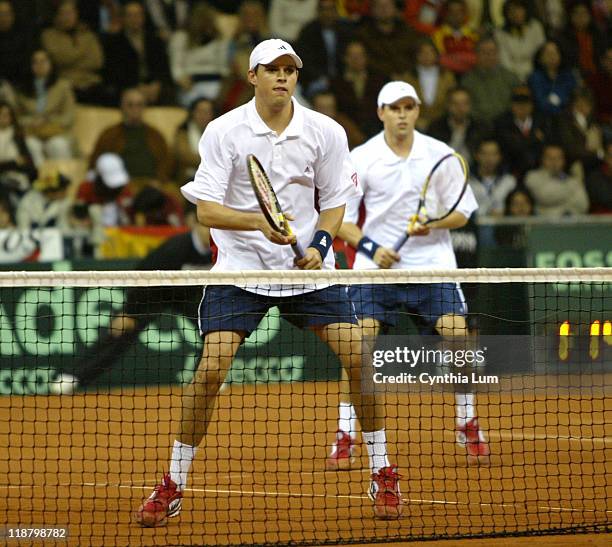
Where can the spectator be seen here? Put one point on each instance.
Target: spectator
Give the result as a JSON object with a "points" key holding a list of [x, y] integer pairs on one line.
{"points": [[46, 205], [106, 192], [187, 139], [7, 214], [15, 45], [552, 82], [455, 41], [581, 40], [578, 132], [599, 184], [457, 128], [76, 52], [322, 42], [521, 132], [100, 16], [424, 16], [141, 146], [489, 180], [552, 14], [389, 42], [199, 57], [601, 85], [325, 103], [519, 203], [46, 109], [287, 17], [431, 82], [519, 39], [489, 84], [154, 207], [167, 17], [252, 28], [556, 193], [356, 89], [136, 57], [16, 165]]}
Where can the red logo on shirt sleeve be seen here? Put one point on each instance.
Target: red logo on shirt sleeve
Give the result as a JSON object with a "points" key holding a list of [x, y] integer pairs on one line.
{"points": [[354, 179]]}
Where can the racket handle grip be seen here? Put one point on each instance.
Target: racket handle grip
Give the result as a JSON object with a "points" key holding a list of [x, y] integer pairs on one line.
{"points": [[298, 250], [400, 242]]}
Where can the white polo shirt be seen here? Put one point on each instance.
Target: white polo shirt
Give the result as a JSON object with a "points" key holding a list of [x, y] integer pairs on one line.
{"points": [[311, 154], [391, 186]]}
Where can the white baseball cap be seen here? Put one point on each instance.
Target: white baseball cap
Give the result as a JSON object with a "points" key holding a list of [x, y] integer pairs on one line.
{"points": [[394, 91], [265, 52], [111, 169]]}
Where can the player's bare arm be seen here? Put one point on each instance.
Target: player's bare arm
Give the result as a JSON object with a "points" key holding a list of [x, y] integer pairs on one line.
{"points": [[451, 222], [215, 215], [383, 257], [329, 223]]}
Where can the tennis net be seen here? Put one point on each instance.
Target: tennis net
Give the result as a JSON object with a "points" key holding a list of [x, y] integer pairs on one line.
{"points": [[94, 376]]}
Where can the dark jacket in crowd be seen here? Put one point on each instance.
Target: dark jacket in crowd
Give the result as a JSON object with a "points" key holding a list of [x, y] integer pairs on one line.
{"points": [[122, 67]]}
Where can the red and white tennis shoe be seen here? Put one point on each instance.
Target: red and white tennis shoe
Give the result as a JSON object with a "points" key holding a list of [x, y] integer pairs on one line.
{"points": [[342, 456], [164, 502], [384, 491], [472, 438]]}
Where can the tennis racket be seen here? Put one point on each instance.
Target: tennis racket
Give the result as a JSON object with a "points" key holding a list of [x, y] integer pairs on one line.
{"points": [[429, 210], [269, 202]]}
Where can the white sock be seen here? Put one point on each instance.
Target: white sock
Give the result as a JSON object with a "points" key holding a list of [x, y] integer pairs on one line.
{"points": [[182, 456], [466, 407], [347, 421], [376, 441]]}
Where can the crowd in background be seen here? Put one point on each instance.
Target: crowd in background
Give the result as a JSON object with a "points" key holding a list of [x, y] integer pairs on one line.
{"points": [[521, 89]]}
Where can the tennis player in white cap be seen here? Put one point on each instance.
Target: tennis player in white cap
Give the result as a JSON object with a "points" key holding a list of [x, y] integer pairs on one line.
{"points": [[302, 151], [391, 168]]}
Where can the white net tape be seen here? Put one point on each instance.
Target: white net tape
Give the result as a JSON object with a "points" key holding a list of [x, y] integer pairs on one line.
{"points": [[299, 277]]}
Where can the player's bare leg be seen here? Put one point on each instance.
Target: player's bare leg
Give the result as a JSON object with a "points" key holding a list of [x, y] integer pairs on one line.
{"points": [[198, 402], [342, 455], [453, 327], [345, 340]]}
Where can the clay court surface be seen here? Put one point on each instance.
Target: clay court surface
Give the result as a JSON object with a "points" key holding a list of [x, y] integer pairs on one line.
{"points": [[86, 461]]}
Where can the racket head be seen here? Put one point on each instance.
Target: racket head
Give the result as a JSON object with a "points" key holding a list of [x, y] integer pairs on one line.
{"points": [[266, 197], [449, 173]]}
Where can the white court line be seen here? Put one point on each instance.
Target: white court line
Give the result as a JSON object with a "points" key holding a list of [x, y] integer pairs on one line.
{"points": [[509, 436], [543, 437], [303, 495]]}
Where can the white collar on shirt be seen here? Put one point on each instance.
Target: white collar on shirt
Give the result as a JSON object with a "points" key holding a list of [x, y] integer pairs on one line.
{"points": [[389, 157], [294, 129]]}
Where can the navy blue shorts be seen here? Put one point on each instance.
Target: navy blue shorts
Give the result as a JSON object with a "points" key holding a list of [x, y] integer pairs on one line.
{"points": [[430, 302], [229, 308]]}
